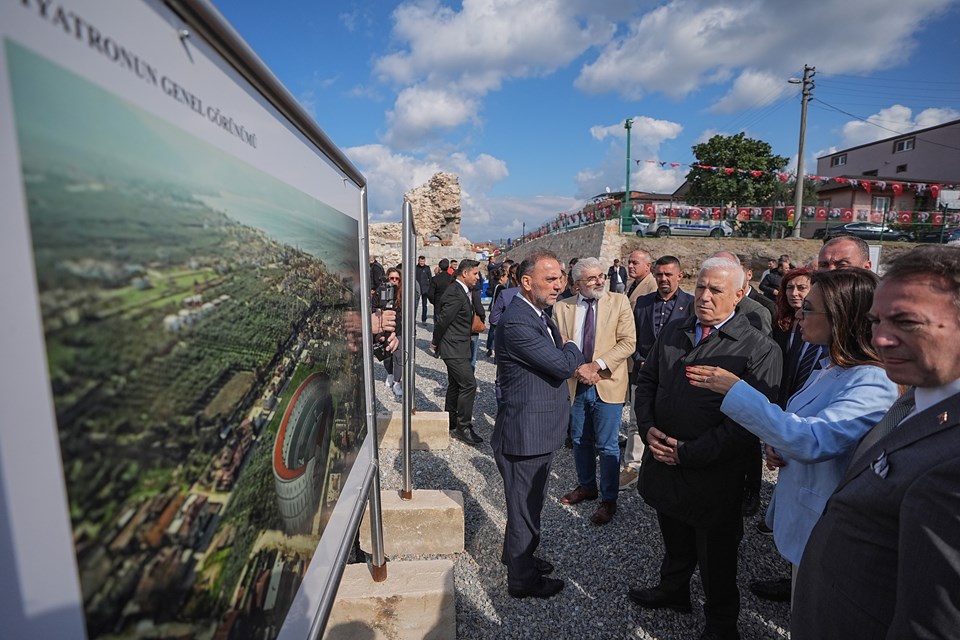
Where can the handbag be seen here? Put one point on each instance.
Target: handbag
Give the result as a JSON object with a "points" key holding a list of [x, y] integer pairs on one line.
{"points": [[478, 325]]}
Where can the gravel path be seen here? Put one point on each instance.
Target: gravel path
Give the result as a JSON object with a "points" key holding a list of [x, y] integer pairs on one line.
{"points": [[598, 564]]}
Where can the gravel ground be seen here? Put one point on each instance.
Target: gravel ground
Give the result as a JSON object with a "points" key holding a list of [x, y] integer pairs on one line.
{"points": [[598, 564]]}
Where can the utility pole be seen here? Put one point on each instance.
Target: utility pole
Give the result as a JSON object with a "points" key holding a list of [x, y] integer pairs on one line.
{"points": [[806, 92], [625, 210]]}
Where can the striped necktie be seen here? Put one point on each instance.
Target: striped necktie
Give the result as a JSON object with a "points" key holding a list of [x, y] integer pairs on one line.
{"points": [[900, 410], [805, 367]]}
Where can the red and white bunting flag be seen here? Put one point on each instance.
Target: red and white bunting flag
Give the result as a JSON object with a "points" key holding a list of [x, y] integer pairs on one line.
{"points": [[897, 188], [935, 190], [880, 184], [866, 185]]}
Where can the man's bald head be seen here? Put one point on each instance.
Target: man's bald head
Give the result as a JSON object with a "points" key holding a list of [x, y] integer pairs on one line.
{"points": [[843, 252]]}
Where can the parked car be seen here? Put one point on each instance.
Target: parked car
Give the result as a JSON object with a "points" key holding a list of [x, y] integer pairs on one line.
{"points": [[864, 230], [664, 226], [641, 222], [935, 235]]}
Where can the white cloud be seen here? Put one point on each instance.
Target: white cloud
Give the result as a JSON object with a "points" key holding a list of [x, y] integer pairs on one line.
{"points": [[389, 175], [470, 52], [421, 111], [683, 45], [647, 131], [752, 89], [891, 121]]}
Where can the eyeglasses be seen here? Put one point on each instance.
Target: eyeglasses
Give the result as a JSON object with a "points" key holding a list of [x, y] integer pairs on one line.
{"points": [[394, 279], [805, 310], [594, 279]]}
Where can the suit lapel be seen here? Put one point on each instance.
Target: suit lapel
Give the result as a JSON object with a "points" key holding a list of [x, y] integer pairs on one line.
{"points": [[941, 416], [810, 393]]}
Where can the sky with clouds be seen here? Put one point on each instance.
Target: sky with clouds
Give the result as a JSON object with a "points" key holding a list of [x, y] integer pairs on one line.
{"points": [[525, 100]]}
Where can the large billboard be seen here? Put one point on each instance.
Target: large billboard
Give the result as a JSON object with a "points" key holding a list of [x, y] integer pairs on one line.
{"points": [[195, 263]]}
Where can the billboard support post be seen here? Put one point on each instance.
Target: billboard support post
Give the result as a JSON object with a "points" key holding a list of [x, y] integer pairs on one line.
{"points": [[408, 308]]}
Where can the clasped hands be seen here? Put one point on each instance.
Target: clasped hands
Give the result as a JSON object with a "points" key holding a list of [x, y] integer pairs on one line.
{"points": [[588, 373], [663, 448]]}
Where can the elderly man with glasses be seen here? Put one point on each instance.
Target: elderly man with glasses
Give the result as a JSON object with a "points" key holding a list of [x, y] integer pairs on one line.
{"points": [[601, 323]]}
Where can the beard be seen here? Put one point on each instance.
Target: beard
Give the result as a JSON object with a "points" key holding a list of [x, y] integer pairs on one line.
{"points": [[594, 294]]}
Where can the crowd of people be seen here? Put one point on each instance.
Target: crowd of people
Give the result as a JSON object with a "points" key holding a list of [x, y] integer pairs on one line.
{"points": [[845, 384]]}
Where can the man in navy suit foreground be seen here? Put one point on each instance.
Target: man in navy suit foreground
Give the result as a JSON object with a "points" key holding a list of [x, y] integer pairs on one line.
{"points": [[883, 561], [533, 364]]}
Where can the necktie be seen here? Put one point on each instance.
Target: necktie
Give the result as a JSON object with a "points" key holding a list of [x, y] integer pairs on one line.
{"points": [[903, 406], [805, 366], [633, 287], [704, 332], [553, 328], [589, 331]]}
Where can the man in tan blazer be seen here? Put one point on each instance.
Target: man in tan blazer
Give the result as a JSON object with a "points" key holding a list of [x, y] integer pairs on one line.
{"points": [[601, 323], [639, 264]]}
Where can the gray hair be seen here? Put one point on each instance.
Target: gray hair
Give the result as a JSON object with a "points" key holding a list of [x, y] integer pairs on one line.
{"points": [[576, 273], [724, 255], [723, 264]]}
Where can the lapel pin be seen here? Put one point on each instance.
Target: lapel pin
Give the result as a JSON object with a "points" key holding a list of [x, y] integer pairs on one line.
{"points": [[942, 418]]}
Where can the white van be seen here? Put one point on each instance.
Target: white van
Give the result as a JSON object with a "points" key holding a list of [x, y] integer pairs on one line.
{"points": [[663, 226]]}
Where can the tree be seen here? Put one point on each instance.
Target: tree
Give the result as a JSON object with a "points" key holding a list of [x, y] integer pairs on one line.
{"points": [[721, 187]]}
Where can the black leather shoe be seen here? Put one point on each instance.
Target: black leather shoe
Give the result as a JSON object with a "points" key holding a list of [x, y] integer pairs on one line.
{"points": [[467, 435], [656, 598], [774, 590], [751, 503], [543, 588], [542, 566]]}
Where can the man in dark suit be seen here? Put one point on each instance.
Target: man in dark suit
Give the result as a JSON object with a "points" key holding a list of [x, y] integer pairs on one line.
{"points": [[617, 277], [883, 561], [752, 293], [692, 471], [651, 314], [438, 285], [533, 364], [423, 279], [451, 338]]}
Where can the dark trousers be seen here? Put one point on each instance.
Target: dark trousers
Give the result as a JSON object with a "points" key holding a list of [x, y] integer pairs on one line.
{"points": [[754, 473], [423, 301], [461, 392], [524, 487], [714, 550]]}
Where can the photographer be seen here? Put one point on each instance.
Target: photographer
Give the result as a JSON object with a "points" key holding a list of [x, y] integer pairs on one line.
{"points": [[387, 300]]}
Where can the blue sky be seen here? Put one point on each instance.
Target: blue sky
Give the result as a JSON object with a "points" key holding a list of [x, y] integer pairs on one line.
{"points": [[525, 100]]}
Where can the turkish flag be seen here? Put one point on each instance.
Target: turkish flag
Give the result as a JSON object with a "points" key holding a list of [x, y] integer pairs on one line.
{"points": [[790, 213], [696, 213], [728, 170], [937, 218], [897, 188], [743, 213], [935, 190], [876, 216], [905, 217], [650, 210], [866, 185], [717, 213], [768, 214], [821, 213], [847, 215]]}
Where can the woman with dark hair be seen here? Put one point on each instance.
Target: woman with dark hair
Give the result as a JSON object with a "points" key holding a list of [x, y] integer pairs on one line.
{"points": [[394, 362], [812, 440]]}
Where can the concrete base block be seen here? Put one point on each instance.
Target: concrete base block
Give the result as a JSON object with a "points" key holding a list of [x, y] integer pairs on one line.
{"points": [[430, 523], [415, 601], [429, 430]]}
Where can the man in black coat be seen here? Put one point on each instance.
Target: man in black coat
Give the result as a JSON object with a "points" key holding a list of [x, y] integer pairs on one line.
{"points": [[423, 278], [451, 338], [770, 285], [692, 471], [438, 285]]}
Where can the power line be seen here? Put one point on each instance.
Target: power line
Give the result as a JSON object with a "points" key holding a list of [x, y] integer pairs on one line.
{"points": [[873, 123]]}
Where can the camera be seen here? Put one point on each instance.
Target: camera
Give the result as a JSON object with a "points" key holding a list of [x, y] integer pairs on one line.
{"points": [[384, 299]]}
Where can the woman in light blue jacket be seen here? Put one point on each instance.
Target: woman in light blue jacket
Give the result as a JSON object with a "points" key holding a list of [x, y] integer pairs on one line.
{"points": [[815, 436]]}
